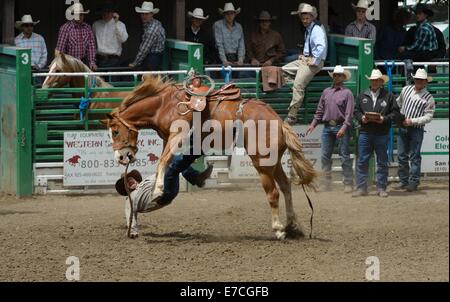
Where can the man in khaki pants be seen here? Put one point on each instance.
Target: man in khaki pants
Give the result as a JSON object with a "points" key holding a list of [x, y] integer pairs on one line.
{"points": [[310, 62]]}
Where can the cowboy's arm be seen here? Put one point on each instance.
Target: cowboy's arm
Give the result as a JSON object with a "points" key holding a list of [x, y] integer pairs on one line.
{"points": [[43, 58], [241, 47], [428, 116], [393, 112], [349, 111], [144, 48], [92, 49], [63, 38], [422, 35], [373, 33], [319, 47], [358, 113], [219, 42], [250, 44], [121, 32], [319, 111], [280, 49]]}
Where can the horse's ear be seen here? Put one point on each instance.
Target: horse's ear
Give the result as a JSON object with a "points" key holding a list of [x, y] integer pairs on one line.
{"points": [[108, 119], [63, 58]]}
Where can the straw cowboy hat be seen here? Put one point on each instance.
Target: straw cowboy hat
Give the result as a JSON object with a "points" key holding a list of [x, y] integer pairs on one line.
{"points": [[229, 7], [26, 19], [338, 69], [364, 4], [120, 183], [198, 14], [376, 74], [147, 7], [305, 8], [265, 16], [76, 9], [421, 74]]}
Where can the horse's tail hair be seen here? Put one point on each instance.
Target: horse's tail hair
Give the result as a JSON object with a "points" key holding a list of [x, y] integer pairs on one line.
{"points": [[302, 167]]}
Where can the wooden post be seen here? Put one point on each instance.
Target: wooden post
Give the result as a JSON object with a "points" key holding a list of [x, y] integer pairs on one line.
{"points": [[179, 18], [7, 21], [323, 12]]}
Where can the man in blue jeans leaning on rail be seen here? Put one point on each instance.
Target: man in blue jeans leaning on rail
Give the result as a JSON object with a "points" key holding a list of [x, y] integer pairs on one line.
{"points": [[375, 109], [335, 111]]}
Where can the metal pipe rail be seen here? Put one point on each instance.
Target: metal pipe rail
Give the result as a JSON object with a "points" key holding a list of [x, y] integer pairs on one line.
{"points": [[401, 63], [259, 68], [123, 73]]}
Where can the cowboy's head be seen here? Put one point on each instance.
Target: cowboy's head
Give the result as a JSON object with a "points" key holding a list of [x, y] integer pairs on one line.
{"points": [[423, 12], [107, 11], [377, 79], [265, 20], [146, 11], [339, 75], [421, 79], [197, 17], [307, 14], [133, 180], [229, 12], [361, 10], [26, 25], [76, 12]]}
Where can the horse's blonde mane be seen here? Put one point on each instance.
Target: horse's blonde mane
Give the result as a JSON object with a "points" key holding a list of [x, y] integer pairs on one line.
{"points": [[151, 86]]}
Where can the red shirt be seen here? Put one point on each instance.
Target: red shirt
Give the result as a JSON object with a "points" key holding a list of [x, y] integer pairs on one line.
{"points": [[77, 40]]}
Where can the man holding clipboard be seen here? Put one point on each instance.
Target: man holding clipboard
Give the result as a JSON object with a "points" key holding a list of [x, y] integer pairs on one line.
{"points": [[376, 109]]}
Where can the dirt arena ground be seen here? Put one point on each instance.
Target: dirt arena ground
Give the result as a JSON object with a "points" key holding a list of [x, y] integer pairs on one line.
{"points": [[226, 236]]}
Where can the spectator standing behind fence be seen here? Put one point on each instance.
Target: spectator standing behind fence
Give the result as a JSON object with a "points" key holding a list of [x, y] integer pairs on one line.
{"points": [[265, 46], [153, 41], [229, 37], [110, 34], [376, 109], [421, 43], [76, 37], [29, 39], [198, 34], [417, 107], [335, 111], [361, 28], [310, 62], [390, 37]]}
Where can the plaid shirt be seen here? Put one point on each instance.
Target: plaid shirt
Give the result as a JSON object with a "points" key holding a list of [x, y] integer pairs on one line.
{"points": [[38, 48], [78, 41], [425, 38], [368, 31], [153, 41]]}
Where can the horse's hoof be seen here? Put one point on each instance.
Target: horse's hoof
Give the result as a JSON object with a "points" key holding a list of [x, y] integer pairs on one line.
{"points": [[280, 235], [294, 232]]}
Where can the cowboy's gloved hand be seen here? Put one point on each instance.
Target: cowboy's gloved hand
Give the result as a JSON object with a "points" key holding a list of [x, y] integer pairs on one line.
{"points": [[116, 17], [132, 66], [268, 63], [93, 67]]}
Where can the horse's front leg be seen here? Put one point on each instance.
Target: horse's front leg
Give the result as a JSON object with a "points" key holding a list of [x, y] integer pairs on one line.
{"points": [[166, 157]]}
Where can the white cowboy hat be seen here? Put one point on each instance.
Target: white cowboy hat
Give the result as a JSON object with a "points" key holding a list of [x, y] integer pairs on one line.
{"points": [[76, 9], [338, 69], [146, 7], [305, 8], [198, 14], [229, 7], [422, 75], [376, 74], [26, 19], [364, 4]]}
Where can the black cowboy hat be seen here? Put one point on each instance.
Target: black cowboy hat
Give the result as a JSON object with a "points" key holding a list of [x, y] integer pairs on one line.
{"points": [[423, 8], [265, 16], [120, 183], [106, 7]]}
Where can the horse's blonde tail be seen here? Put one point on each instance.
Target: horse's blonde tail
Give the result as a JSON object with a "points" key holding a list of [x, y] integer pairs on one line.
{"points": [[304, 170]]}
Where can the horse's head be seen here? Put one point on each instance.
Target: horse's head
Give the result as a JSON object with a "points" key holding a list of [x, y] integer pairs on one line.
{"points": [[66, 64], [123, 136]]}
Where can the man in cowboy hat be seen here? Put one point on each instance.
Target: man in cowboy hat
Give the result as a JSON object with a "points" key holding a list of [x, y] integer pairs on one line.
{"points": [[153, 42], [143, 196], [198, 34], [229, 37], [361, 28], [76, 38], [29, 39], [110, 34], [424, 46], [376, 110], [335, 111], [310, 62], [417, 107], [265, 46]]}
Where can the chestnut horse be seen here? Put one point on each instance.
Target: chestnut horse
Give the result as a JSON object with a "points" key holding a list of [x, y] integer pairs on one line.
{"points": [[153, 104], [68, 64]]}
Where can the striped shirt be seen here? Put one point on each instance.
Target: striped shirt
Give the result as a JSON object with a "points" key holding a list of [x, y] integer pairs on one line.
{"points": [[153, 41], [425, 38], [417, 106], [77, 40], [229, 41], [38, 48], [368, 31]]}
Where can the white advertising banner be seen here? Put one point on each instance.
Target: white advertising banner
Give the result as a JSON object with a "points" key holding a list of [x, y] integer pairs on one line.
{"points": [[89, 157], [435, 147], [242, 166]]}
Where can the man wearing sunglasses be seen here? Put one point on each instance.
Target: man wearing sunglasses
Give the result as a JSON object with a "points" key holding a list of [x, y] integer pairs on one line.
{"points": [[29, 39]]}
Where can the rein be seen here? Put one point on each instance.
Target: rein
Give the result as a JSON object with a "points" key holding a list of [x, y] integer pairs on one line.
{"points": [[127, 188]]}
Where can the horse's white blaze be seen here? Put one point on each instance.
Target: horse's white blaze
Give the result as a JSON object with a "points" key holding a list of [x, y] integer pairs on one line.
{"points": [[110, 136], [52, 69]]}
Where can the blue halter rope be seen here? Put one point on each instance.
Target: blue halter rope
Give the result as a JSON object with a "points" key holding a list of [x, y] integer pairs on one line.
{"points": [[226, 73], [84, 101], [389, 66]]}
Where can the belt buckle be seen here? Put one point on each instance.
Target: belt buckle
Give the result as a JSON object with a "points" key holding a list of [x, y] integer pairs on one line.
{"points": [[332, 123]]}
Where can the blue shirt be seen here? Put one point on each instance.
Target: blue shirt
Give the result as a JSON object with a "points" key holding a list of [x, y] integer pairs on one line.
{"points": [[316, 36], [38, 48], [425, 38], [229, 41]]}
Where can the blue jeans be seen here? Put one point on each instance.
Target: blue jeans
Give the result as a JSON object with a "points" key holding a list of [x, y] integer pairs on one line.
{"points": [[152, 62], [329, 140], [179, 164], [409, 159], [368, 143]]}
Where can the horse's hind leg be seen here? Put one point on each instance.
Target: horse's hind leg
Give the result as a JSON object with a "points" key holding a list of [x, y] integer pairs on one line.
{"points": [[268, 183], [293, 228]]}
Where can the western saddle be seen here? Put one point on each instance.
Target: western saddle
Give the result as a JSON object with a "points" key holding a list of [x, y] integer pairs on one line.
{"points": [[197, 95]]}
